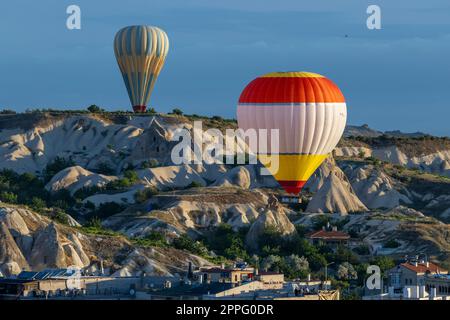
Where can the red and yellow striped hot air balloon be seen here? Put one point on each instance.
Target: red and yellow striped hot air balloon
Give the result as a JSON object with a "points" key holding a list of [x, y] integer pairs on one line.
{"points": [[310, 112]]}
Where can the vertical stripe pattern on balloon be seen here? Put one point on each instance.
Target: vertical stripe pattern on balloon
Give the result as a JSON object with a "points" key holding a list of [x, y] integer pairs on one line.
{"points": [[140, 52]]}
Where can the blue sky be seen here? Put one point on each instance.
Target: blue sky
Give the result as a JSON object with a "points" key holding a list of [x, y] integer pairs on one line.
{"points": [[394, 78]]}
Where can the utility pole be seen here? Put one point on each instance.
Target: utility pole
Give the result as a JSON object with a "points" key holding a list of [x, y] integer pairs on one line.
{"points": [[326, 274]]}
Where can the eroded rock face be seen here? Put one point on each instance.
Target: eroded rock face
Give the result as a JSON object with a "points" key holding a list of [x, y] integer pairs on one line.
{"points": [[158, 261], [374, 188], [75, 178], [171, 177], [238, 176], [52, 249], [154, 143], [34, 242], [332, 192], [85, 139], [12, 260], [192, 210], [435, 162], [91, 141], [270, 217], [316, 181], [335, 195], [29, 241]]}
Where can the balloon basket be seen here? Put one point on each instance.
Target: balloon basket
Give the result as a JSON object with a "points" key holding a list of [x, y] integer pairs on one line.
{"points": [[139, 109], [290, 199]]}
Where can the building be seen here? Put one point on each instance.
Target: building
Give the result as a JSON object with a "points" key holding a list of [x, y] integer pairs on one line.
{"points": [[412, 273], [438, 285], [310, 285], [224, 275], [239, 281], [191, 291], [15, 288], [60, 283], [331, 238], [270, 280], [252, 290], [416, 279]]}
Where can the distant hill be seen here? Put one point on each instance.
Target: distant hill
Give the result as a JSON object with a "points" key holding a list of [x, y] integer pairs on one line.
{"points": [[366, 131]]}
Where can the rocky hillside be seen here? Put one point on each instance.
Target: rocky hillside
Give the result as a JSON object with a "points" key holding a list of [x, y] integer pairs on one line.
{"points": [[396, 232], [117, 168], [333, 191], [31, 241], [196, 210], [426, 153]]}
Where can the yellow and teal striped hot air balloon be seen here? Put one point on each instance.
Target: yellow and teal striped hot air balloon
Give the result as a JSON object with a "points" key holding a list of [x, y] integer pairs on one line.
{"points": [[140, 52]]}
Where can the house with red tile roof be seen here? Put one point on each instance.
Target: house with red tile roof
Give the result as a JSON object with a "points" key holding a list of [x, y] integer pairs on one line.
{"points": [[328, 237], [413, 273]]}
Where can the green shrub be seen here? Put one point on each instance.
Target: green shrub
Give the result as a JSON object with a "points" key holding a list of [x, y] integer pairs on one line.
{"points": [[62, 199], [61, 217], [24, 186], [95, 109], [94, 222], [195, 184], [85, 192], [7, 111], [94, 226], [152, 163], [177, 112], [129, 179], [107, 209], [152, 239], [185, 243], [56, 166], [362, 250], [320, 221], [8, 197], [131, 175], [105, 168], [143, 195], [385, 263], [392, 243], [37, 204], [373, 160]]}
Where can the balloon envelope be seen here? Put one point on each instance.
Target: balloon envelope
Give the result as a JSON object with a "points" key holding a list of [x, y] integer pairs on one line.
{"points": [[140, 52], [310, 113]]}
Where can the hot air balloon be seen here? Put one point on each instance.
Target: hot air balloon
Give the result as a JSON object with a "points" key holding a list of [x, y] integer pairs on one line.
{"points": [[140, 52], [310, 113]]}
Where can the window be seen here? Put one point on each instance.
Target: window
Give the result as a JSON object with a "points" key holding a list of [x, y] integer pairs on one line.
{"points": [[396, 281]]}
